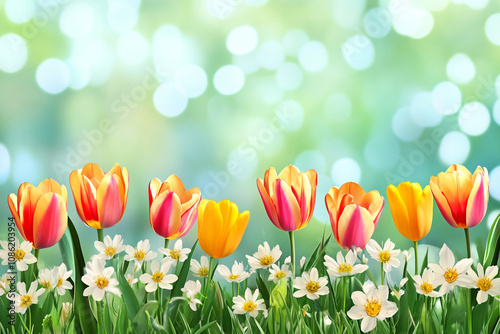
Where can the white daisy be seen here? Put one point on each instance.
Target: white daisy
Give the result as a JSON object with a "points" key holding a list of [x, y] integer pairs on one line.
{"points": [[139, 254], [485, 281], [264, 257], [47, 279], [22, 254], [131, 279], [302, 261], [159, 276], [24, 299], [177, 253], [192, 289], [344, 267], [5, 282], [310, 285], [288, 260], [399, 292], [66, 310], [98, 278], [109, 248], [236, 275], [62, 274], [250, 304], [201, 268], [450, 274], [277, 273], [371, 304], [386, 254], [426, 284]]}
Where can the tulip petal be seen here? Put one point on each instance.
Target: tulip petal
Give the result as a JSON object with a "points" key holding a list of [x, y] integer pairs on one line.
{"points": [[477, 203], [93, 172], [12, 201], [235, 235], [268, 203], [399, 212], [210, 226], [176, 185], [287, 207], [74, 182], [153, 189], [331, 207], [442, 202], [165, 214], [89, 205], [188, 217], [313, 181], [110, 204], [424, 213], [29, 200], [50, 220], [270, 178], [355, 227]]}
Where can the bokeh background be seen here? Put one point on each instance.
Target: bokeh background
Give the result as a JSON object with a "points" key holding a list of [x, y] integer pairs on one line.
{"points": [[218, 91]]}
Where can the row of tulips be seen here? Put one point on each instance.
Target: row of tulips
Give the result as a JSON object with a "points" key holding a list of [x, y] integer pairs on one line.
{"points": [[289, 198]]}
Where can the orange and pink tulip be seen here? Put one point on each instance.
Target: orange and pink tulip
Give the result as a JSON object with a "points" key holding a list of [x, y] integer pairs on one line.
{"points": [[40, 212], [461, 197], [354, 214], [172, 209], [289, 197], [100, 198]]}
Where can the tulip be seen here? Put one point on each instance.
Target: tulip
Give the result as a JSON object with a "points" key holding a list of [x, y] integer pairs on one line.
{"points": [[354, 214], [100, 198], [461, 197], [40, 212], [289, 200], [172, 209], [411, 209], [289, 197]]}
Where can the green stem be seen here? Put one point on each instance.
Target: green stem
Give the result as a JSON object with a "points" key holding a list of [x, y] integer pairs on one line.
{"points": [[210, 268], [292, 253], [35, 265], [467, 241], [166, 246], [24, 324], [415, 245], [345, 289], [381, 273], [100, 322], [100, 236]]}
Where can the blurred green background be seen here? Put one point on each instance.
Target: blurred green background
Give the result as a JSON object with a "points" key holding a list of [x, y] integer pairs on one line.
{"points": [[218, 91]]}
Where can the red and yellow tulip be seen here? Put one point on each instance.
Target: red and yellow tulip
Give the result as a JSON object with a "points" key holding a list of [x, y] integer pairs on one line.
{"points": [[220, 227], [354, 214], [289, 197], [461, 197], [40, 212], [172, 209], [100, 198], [411, 209]]}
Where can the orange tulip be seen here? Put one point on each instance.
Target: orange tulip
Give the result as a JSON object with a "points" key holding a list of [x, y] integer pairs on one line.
{"points": [[354, 214], [461, 197], [289, 197], [172, 209], [40, 212], [220, 227], [100, 198], [411, 209]]}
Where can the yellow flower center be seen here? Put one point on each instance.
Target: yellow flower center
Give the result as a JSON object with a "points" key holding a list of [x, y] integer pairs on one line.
{"points": [[157, 276], [59, 282], [25, 301], [312, 286], [139, 255], [203, 271], [110, 251], [373, 307], [280, 275], [484, 284], [19, 254], [46, 284], [266, 260], [384, 256], [427, 287], [450, 275], [345, 268], [249, 306], [233, 277], [101, 282], [175, 254]]}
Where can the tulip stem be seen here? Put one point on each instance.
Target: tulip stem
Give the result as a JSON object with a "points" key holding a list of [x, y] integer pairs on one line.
{"points": [[210, 267], [292, 252], [467, 240], [415, 245], [35, 266], [166, 246], [100, 235]]}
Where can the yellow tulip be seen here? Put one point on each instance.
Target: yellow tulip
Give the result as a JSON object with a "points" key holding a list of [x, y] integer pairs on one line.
{"points": [[220, 227], [411, 209]]}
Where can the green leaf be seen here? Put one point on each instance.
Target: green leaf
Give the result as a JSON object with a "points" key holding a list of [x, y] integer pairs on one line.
{"points": [[278, 292], [492, 245], [205, 327], [141, 320], [424, 262], [84, 319], [157, 327], [263, 289], [66, 251], [128, 295]]}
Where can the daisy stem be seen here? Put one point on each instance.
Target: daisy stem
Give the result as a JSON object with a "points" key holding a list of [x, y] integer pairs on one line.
{"points": [[292, 252], [345, 288], [24, 324], [100, 236], [415, 245], [232, 284], [382, 273], [100, 322]]}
